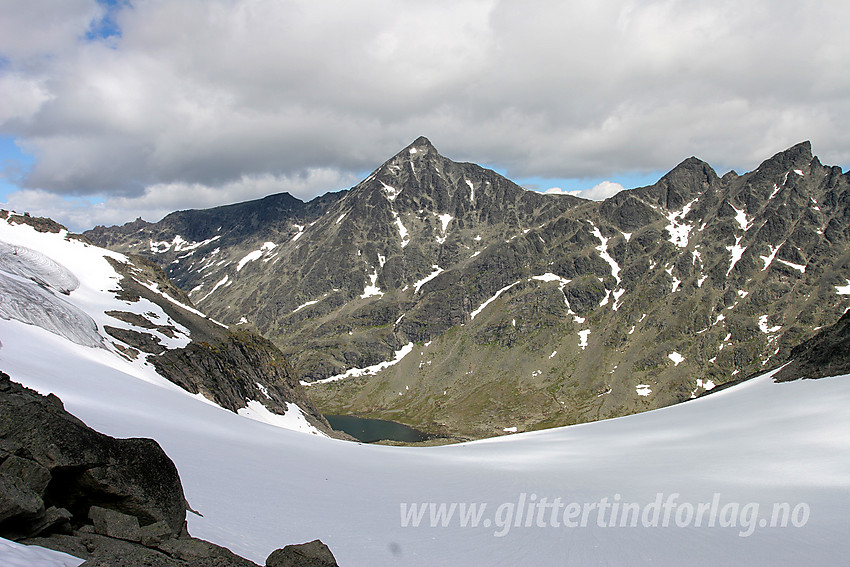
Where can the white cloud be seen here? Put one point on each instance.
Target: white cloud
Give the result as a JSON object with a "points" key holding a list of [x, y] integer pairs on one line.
{"points": [[22, 97], [211, 92], [29, 30], [598, 192]]}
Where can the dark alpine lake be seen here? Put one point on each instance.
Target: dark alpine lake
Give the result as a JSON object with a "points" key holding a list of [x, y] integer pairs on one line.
{"points": [[371, 430]]}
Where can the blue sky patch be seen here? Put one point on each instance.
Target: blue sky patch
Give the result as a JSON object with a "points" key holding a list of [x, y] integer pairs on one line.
{"points": [[107, 27]]}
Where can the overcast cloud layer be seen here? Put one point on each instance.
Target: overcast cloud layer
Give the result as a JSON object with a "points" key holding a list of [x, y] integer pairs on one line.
{"points": [[156, 105]]}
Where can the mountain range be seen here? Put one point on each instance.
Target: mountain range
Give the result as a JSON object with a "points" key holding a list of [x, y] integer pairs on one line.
{"points": [[754, 473], [444, 296]]}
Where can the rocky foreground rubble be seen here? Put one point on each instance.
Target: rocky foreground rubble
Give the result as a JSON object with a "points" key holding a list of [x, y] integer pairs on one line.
{"points": [[109, 501]]}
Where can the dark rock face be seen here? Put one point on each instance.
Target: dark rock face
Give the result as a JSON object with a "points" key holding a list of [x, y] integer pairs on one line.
{"points": [[103, 551], [61, 463], [310, 554], [825, 354], [114, 524], [109, 501], [228, 366], [227, 370]]}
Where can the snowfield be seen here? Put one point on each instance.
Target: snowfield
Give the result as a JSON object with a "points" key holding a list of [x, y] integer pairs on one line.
{"points": [[724, 473]]}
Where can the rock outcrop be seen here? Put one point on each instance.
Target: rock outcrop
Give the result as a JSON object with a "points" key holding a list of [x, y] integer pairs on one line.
{"points": [[60, 468], [311, 554], [109, 501], [825, 354]]}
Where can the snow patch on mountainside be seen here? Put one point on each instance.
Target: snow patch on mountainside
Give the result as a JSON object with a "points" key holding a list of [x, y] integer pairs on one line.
{"points": [[737, 252], [680, 231], [390, 192], [741, 218], [372, 289], [603, 253], [418, 285], [293, 419], [265, 249], [491, 300], [179, 244], [369, 370], [402, 230], [799, 267]]}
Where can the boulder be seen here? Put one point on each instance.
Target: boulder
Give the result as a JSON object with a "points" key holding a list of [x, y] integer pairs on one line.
{"points": [[310, 554], [115, 524], [109, 501], [35, 476], [60, 462], [17, 500]]}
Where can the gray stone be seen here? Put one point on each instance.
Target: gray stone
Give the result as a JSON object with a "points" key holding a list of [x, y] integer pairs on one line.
{"points": [[134, 476], [310, 554], [54, 519], [33, 474], [154, 534], [17, 499], [115, 524], [197, 552]]}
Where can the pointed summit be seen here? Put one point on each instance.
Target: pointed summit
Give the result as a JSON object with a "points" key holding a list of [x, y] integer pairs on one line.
{"points": [[420, 146], [691, 178], [422, 142], [798, 156]]}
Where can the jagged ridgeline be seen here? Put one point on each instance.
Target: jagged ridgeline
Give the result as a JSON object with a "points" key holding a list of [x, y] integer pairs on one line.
{"points": [[443, 295]]}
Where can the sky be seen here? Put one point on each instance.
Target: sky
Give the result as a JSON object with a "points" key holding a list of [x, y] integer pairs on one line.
{"points": [[111, 110]]}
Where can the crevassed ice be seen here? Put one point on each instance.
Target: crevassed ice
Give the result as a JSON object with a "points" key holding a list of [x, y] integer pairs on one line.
{"points": [[26, 301], [29, 283], [33, 265]]}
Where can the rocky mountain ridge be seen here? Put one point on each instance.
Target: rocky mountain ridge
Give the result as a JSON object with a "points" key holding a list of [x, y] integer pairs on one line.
{"points": [[447, 297], [140, 315]]}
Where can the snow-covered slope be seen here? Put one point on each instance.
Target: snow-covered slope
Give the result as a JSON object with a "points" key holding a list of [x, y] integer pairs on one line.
{"points": [[16, 555], [259, 487], [714, 467], [76, 291]]}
